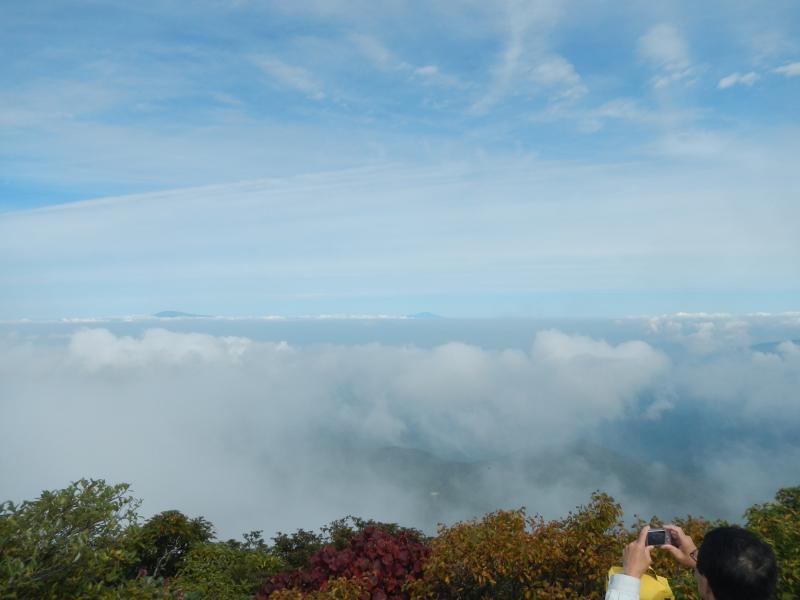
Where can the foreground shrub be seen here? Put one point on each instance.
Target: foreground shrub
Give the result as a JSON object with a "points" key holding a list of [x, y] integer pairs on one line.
{"points": [[225, 571], [165, 539], [507, 555], [85, 542], [68, 543], [143, 588], [778, 523], [382, 562], [340, 588], [296, 549]]}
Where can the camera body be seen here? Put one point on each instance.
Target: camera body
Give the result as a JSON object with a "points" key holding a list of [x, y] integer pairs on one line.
{"points": [[658, 537]]}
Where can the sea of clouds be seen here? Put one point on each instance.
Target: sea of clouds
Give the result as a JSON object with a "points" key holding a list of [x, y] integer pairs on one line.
{"points": [[676, 414]]}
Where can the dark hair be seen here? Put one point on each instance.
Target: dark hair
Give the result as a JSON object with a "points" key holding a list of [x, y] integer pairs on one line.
{"points": [[737, 565]]}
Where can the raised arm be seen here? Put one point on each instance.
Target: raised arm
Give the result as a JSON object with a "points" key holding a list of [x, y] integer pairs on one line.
{"points": [[635, 562]]}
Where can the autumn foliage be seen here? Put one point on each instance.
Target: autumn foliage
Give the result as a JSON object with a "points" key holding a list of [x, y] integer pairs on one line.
{"points": [[382, 563], [778, 523], [87, 541], [503, 556], [510, 555]]}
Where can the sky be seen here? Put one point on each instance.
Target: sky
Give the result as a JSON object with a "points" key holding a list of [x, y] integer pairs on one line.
{"points": [[601, 198], [553, 158]]}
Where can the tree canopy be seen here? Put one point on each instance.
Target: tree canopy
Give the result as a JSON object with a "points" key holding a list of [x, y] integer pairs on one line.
{"points": [[88, 541]]}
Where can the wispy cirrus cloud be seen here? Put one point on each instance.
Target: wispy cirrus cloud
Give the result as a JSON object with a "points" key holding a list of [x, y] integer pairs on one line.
{"points": [[788, 70], [291, 76], [344, 84], [746, 79], [667, 51], [382, 58], [309, 243], [527, 65], [623, 110], [376, 52]]}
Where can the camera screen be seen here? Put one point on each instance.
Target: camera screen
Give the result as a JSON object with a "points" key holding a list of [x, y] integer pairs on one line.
{"points": [[657, 537]]}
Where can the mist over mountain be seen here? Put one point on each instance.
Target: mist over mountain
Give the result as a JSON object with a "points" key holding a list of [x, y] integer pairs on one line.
{"points": [[411, 420]]}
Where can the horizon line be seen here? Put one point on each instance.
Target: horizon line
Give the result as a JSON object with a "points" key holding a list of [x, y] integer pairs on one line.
{"points": [[417, 316]]}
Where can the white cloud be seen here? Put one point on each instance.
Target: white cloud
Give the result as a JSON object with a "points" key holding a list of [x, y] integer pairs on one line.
{"points": [[469, 397], [657, 409], [276, 436], [96, 349], [692, 144], [557, 72], [433, 75], [293, 77], [770, 43], [378, 54], [665, 49], [747, 79], [240, 417], [620, 108], [427, 70], [789, 70], [543, 73], [751, 387], [704, 334], [623, 109], [725, 370], [762, 469], [526, 65]]}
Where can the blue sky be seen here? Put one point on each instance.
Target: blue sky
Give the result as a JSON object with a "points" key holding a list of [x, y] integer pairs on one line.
{"points": [[575, 158]]}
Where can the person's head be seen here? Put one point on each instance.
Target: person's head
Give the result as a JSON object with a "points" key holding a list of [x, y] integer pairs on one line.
{"points": [[734, 564]]}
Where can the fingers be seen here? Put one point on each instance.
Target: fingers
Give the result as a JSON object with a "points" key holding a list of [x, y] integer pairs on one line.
{"points": [[672, 550], [678, 536], [679, 555], [636, 558], [643, 535], [673, 527]]}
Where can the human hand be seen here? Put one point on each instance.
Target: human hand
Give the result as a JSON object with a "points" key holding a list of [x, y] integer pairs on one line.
{"points": [[682, 548], [636, 557]]}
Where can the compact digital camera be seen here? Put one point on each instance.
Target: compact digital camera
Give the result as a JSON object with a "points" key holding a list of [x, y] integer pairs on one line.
{"points": [[658, 537]]}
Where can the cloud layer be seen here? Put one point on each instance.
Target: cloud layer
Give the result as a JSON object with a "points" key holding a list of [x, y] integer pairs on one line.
{"points": [[258, 434]]}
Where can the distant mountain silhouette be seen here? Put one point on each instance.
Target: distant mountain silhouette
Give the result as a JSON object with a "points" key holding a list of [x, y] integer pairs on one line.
{"points": [[425, 315], [172, 314], [444, 487]]}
